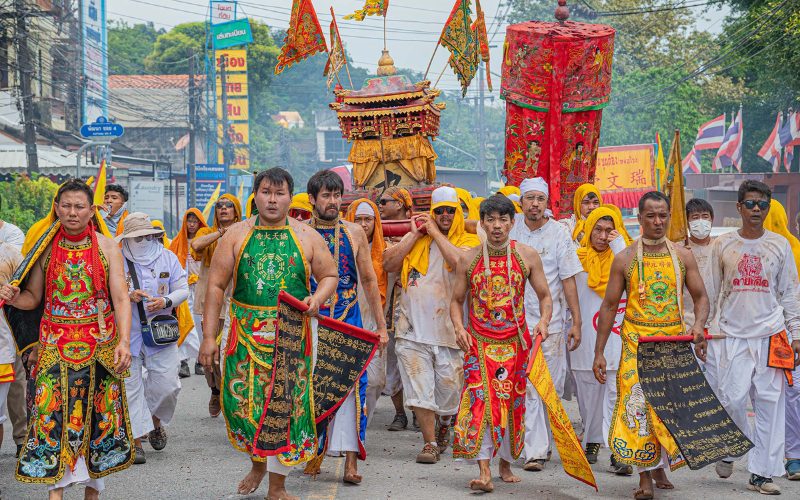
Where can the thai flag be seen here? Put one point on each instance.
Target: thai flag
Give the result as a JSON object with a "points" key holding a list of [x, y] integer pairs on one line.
{"points": [[710, 134], [691, 164], [789, 136], [771, 150], [730, 153]]}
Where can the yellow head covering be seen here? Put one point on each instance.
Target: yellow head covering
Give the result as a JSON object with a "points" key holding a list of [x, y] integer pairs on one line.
{"points": [[580, 194], [778, 222], [596, 264], [378, 243], [300, 201], [475, 207], [248, 208], [160, 225], [619, 224], [208, 252], [180, 244], [417, 258], [507, 190], [466, 198]]}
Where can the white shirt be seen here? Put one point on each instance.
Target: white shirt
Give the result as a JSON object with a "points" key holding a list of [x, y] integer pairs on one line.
{"points": [[12, 235], [756, 286], [192, 266], [702, 254], [582, 358], [559, 260], [424, 315], [10, 258]]}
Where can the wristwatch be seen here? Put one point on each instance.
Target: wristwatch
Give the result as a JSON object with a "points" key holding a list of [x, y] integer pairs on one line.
{"points": [[167, 303]]}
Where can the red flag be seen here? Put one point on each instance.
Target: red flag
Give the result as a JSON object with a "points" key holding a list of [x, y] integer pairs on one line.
{"points": [[479, 29], [304, 37], [771, 150], [459, 38], [336, 56]]}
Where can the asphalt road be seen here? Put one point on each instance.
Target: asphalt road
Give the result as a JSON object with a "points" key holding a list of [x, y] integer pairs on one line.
{"points": [[199, 463]]}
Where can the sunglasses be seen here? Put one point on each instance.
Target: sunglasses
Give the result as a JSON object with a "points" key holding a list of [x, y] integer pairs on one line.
{"points": [[148, 237], [441, 210], [224, 204], [387, 200], [751, 204]]}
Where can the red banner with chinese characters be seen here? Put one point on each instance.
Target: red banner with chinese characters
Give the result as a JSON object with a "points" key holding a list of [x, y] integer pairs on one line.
{"points": [[556, 80], [304, 37], [625, 173]]}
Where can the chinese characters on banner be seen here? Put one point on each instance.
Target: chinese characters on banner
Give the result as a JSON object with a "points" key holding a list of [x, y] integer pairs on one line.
{"points": [[625, 173], [238, 111]]}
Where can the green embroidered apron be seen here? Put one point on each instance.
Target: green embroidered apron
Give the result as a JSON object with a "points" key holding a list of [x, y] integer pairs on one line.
{"points": [[270, 260]]}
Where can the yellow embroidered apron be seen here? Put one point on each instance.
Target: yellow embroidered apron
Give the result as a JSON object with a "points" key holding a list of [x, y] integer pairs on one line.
{"points": [[637, 434]]}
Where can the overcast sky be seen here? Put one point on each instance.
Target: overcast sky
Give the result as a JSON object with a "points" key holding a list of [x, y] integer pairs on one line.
{"points": [[413, 27]]}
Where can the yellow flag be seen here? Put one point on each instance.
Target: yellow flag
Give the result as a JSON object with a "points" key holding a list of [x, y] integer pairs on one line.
{"points": [[661, 167], [240, 194], [569, 448], [678, 226], [210, 205], [100, 184]]}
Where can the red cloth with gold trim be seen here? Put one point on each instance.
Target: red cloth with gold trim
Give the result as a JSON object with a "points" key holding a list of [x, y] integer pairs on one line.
{"points": [[556, 80], [493, 397], [304, 37]]}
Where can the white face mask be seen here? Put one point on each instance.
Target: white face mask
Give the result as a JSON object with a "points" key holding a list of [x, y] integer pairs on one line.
{"points": [[700, 228]]}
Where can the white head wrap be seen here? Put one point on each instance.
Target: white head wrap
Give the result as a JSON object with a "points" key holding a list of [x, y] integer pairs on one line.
{"points": [[513, 197], [537, 184], [444, 194], [364, 208]]}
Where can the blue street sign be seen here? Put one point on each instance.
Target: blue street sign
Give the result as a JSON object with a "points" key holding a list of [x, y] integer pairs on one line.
{"points": [[102, 128]]}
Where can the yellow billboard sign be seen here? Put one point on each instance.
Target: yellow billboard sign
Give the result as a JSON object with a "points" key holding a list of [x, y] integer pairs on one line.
{"points": [[241, 158], [237, 60], [238, 109], [238, 133], [625, 168], [236, 84]]}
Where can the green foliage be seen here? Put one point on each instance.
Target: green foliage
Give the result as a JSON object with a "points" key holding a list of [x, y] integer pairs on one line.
{"points": [[129, 45], [23, 201], [171, 49]]}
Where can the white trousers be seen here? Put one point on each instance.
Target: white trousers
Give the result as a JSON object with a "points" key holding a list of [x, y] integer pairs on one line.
{"points": [[156, 394], [394, 382], [743, 371], [3, 397], [376, 381], [595, 404], [190, 348], [432, 376], [487, 448], [342, 434], [793, 418], [538, 436], [80, 476], [710, 367]]}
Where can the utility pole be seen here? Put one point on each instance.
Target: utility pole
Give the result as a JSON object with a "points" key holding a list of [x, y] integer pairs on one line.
{"points": [[226, 139], [24, 71], [192, 125], [481, 125]]}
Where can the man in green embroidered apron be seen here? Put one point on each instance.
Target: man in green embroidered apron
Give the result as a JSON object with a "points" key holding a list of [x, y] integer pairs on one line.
{"points": [[263, 255]]}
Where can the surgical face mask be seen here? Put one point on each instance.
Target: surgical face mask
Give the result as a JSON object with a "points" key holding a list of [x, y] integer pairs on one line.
{"points": [[700, 228]]}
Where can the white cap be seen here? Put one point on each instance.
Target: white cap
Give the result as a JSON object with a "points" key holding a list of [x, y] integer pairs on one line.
{"points": [[537, 184], [365, 208], [444, 194]]}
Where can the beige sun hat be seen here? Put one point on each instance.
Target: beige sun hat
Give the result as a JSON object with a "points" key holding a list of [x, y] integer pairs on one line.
{"points": [[137, 224]]}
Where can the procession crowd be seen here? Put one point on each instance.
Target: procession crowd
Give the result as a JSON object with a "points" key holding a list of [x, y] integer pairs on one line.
{"points": [[460, 306]]}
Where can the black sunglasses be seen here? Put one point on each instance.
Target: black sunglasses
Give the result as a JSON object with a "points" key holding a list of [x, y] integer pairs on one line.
{"points": [[224, 204], [751, 204], [384, 201], [441, 210]]}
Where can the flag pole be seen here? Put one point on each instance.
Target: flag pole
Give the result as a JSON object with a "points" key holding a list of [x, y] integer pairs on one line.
{"points": [[435, 49], [341, 43], [441, 74], [384, 30]]}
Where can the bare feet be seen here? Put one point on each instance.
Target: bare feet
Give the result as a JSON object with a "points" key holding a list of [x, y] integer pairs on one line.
{"points": [[351, 475], [484, 482], [252, 480], [645, 491], [660, 478], [277, 488], [505, 472], [91, 494], [484, 485], [56, 494]]}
